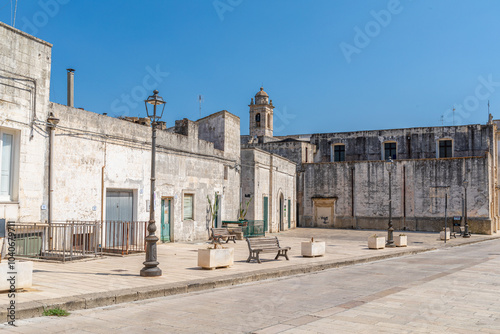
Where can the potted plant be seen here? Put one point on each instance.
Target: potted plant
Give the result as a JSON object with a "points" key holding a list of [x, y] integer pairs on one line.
{"points": [[376, 242], [215, 256], [242, 212], [401, 240], [445, 234], [213, 209], [313, 248]]}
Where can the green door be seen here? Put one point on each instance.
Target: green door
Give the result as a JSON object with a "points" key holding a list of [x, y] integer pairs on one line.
{"points": [[289, 213], [266, 209], [166, 204]]}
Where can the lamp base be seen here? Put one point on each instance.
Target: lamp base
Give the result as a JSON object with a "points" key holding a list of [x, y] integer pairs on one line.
{"points": [[151, 272]]}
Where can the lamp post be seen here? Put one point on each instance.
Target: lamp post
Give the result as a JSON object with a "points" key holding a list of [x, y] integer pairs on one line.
{"points": [[466, 224], [390, 230], [151, 268]]}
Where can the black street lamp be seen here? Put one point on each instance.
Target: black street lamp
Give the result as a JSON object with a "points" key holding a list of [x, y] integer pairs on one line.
{"points": [[390, 241], [466, 224], [151, 268]]}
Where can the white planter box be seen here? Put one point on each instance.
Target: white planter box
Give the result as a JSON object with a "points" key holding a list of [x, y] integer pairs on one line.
{"points": [[314, 248], [442, 235], [401, 240], [376, 242], [23, 276], [215, 258]]}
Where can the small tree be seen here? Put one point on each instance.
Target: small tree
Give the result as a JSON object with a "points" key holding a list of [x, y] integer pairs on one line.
{"points": [[243, 211], [213, 209]]}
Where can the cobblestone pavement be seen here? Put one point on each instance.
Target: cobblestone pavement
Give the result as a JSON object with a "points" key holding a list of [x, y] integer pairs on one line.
{"points": [[450, 290]]}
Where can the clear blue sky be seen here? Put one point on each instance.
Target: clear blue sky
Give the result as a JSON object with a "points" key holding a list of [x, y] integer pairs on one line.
{"points": [[328, 66]]}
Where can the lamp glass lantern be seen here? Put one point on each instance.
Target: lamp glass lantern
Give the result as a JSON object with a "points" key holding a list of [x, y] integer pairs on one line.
{"points": [[154, 100]]}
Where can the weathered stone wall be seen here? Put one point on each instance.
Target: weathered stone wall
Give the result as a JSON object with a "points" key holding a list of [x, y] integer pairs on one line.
{"points": [[271, 176], [360, 191], [89, 147], [412, 143], [223, 130], [296, 151], [24, 95]]}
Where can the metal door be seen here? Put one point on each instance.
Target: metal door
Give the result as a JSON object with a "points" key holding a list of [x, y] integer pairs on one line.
{"points": [[266, 213], [166, 206], [119, 207]]}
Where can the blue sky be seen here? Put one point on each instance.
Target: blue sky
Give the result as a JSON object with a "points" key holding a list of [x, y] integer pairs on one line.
{"points": [[328, 66]]}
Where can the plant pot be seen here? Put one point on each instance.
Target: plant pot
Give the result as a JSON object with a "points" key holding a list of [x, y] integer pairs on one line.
{"points": [[442, 235], [313, 248], [22, 279], [376, 242], [401, 240], [215, 258]]}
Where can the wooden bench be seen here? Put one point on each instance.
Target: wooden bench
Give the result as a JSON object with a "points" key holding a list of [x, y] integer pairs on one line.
{"points": [[265, 245], [219, 234]]}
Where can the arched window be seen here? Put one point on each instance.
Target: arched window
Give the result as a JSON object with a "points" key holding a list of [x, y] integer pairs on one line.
{"points": [[257, 120]]}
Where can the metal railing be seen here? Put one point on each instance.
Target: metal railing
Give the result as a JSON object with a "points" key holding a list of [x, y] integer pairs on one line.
{"points": [[123, 237], [78, 239], [57, 241], [250, 228]]}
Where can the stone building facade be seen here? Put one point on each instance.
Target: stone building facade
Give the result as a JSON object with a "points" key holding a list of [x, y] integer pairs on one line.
{"points": [[268, 182], [100, 166], [61, 163], [343, 178]]}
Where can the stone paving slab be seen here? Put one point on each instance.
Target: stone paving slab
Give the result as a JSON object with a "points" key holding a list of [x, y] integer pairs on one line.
{"points": [[111, 280]]}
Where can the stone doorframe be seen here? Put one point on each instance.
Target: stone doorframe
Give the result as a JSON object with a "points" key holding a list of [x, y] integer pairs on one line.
{"points": [[320, 204]]}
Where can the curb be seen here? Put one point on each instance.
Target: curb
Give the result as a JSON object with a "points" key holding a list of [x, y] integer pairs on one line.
{"points": [[93, 300]]}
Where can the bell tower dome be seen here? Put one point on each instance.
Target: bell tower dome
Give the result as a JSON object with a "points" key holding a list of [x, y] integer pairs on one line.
{"points": [[261, 115]]}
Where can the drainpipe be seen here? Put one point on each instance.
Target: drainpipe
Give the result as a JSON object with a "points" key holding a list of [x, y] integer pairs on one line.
{"points": [[52, 122], [71, 87]]}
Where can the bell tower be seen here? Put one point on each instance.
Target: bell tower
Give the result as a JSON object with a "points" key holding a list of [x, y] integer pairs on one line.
{"points": [[261, 115]]}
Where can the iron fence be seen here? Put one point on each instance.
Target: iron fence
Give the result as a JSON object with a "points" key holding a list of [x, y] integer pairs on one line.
{"points": [[78, 239], [57, 241], [123, 237]]}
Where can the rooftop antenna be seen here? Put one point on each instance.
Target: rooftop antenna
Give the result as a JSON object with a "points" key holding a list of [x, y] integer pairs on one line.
{"points": [[15, 12], [453, 115], [200, 100]]}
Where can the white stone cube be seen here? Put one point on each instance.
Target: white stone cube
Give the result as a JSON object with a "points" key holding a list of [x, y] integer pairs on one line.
{"points": [[23, 277], [376, 242], [215, 258], [401, 241], [313, 248]]}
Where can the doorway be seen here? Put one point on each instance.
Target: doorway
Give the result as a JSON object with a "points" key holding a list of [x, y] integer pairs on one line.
{"points": [[119, 208], [266, 214], [281, 210], [166, 218]]}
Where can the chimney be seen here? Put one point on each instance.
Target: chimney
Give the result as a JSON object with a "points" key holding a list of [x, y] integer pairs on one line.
{"points": [[71, 87]]}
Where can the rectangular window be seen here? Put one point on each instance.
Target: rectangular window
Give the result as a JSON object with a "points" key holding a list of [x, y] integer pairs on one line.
{"points": [[226, 171], [188, 207], [390, 151], [339, 153], [6, 176], [445, 149], [7, 165]]}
